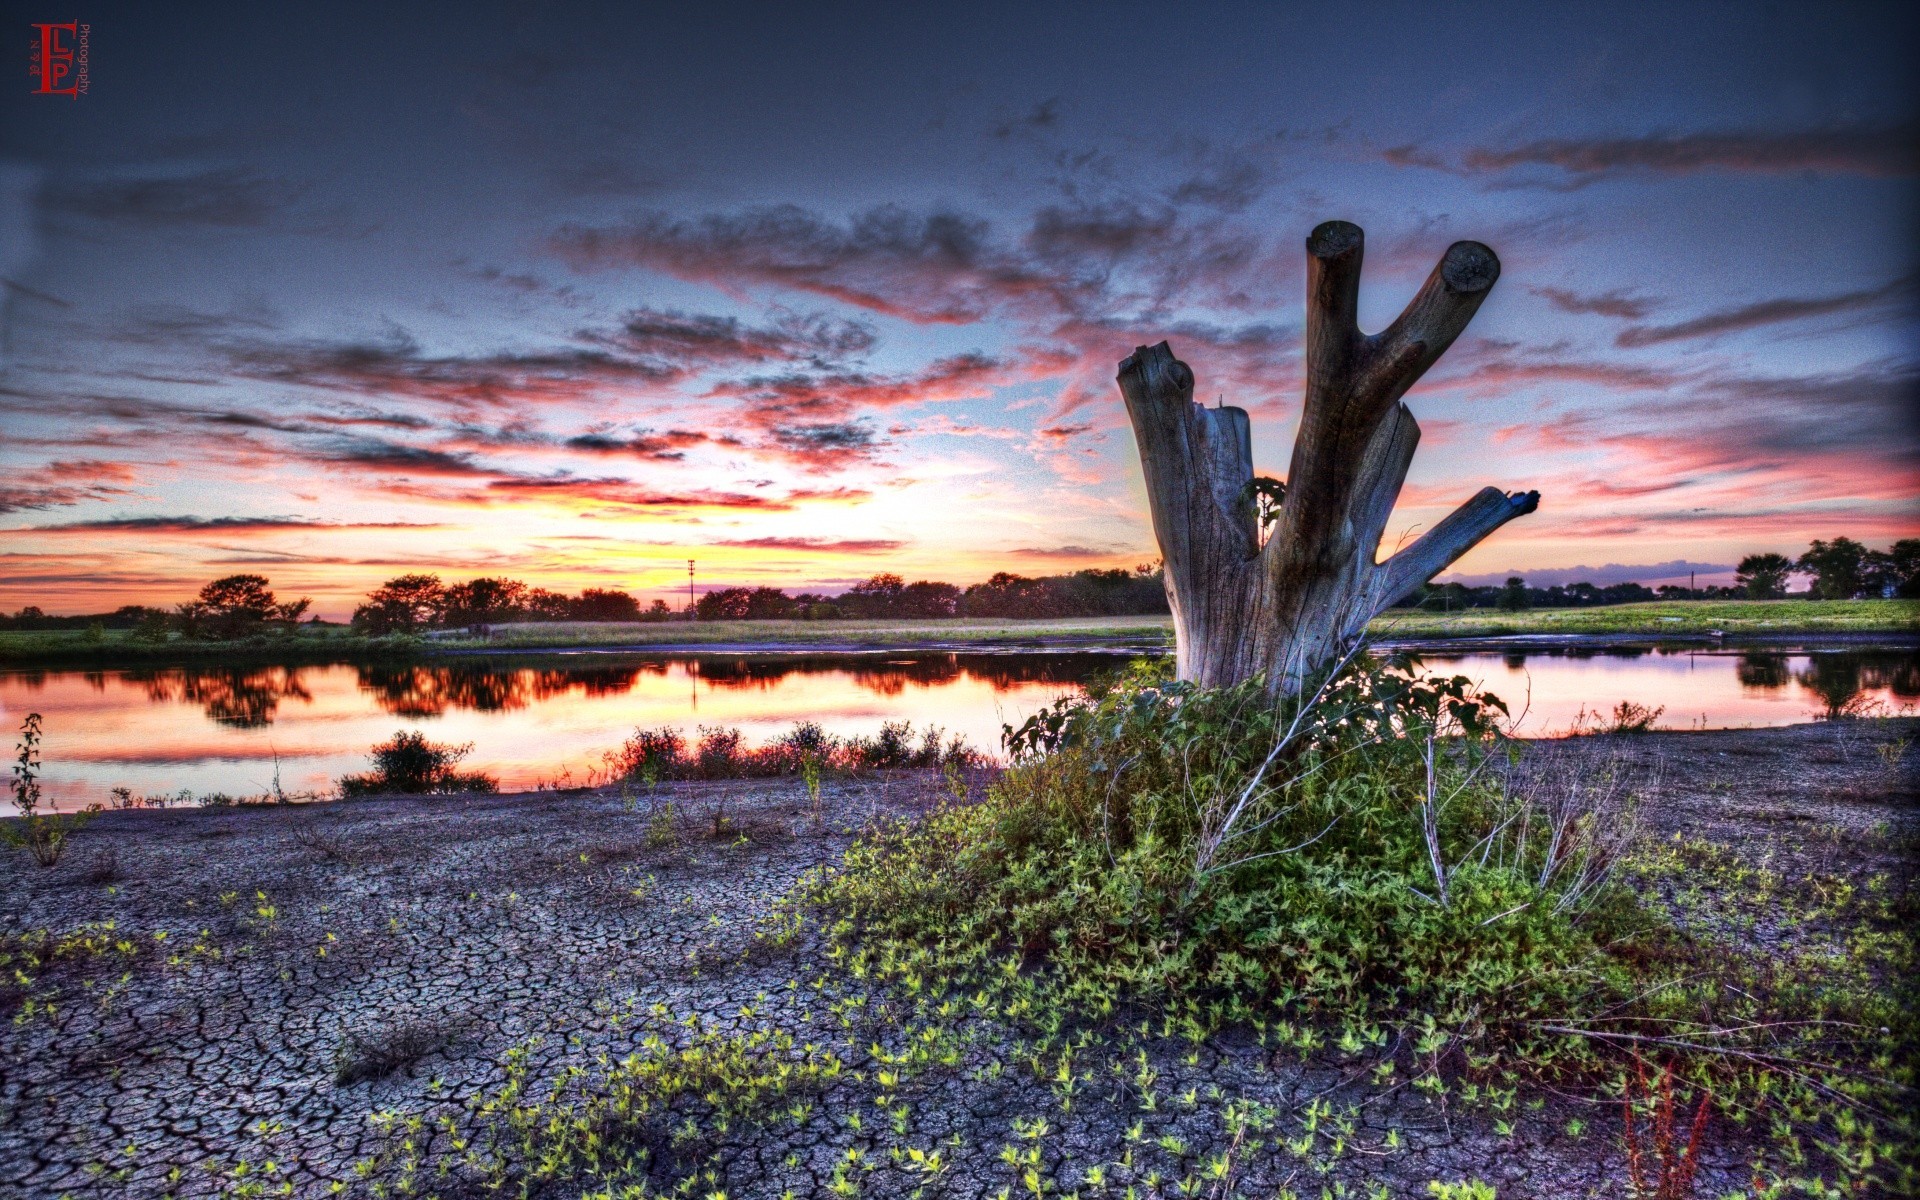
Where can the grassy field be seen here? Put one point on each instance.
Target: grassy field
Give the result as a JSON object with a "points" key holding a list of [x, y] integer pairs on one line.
{"points": [[1735, 618], [1664, 619], [969, 631]]}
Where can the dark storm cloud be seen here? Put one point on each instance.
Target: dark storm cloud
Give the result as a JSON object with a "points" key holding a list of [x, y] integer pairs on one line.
{"points": [[1767, 312]]}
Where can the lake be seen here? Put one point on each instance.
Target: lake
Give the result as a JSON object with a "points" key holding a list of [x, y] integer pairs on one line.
{"points": [[548, 721]]}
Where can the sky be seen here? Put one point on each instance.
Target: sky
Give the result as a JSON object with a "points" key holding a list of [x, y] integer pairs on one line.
{"points": [[576, 293]]}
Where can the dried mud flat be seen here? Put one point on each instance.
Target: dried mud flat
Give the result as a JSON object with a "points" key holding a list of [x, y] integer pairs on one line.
{"points": [[323, 963]]}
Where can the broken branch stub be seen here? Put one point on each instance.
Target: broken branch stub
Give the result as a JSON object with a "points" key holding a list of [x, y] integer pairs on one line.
{"points": [[1293, 606]]}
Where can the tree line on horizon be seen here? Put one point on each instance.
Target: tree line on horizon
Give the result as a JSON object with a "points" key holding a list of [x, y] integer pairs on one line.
{"points": [[239, 605], [412, 603]]}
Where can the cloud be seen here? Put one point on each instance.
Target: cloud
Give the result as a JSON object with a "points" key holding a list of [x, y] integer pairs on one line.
{"points": [[1071, 552], [1878, 151], [621, 493], [826, 447], [1862, 150], [932, 268], [687, 339], [189, 524], [1062, 432], [1766, 312], [395, 456], [1601, 576], [222, 198], [62, 484], [822, 545], [669, 446], [1608, 304]]}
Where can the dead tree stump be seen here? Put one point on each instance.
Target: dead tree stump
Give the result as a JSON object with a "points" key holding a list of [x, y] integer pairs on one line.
{"points": [[1290, 607]]}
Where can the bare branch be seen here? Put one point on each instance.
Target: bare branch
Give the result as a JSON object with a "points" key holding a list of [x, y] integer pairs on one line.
{"points": [[1462, 530]]}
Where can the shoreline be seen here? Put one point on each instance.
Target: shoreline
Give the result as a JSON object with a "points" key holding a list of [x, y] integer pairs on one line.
{"points": [[294, 653]]}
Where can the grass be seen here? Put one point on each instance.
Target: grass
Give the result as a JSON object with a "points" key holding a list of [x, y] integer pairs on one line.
{"points": [[1735, 618], [1685, 618], [119, 647], [958, 630]]}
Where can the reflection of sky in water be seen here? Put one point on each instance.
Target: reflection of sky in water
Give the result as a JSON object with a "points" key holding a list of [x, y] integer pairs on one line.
{"points": [[1699, 690], [160, 731]]}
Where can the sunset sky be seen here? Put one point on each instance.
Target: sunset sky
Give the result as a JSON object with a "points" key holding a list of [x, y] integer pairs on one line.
{"points": [[576, 293]]}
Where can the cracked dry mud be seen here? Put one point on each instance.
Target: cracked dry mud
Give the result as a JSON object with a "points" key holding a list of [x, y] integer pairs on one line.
{"points": [[325, 962]]}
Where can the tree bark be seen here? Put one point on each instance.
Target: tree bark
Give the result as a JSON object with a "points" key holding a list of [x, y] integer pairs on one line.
{"points": [[1287, 609]]}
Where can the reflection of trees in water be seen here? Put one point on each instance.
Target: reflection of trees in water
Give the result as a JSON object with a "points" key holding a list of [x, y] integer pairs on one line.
{"points": [[244, 697], [1836, 677], [428, 691], [1763, 672], [892, 676]]}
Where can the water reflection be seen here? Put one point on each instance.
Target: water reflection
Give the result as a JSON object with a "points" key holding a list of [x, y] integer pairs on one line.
{"points": [[231, 728], [241, 697], [1841, 681], [491, 686]]}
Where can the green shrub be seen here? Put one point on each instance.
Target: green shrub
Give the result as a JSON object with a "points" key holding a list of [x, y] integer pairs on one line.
{"points": [[652, 755], [43, 835], [410, 764], [1354, 855]]}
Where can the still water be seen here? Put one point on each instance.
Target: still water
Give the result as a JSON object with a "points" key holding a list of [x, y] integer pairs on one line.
{"points": [[228, 729]]}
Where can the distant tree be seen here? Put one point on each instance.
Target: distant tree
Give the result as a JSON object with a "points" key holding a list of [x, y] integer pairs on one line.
{"points": [[403, 604], [1837, 567], [1903, 568], [235, 606], [1764, 576], [1008, 595], [1513, 597], [484, 601], [812, 606], [878, 596], [544, 605], [927, 599], [657, 611], [727, 604], [769, 604], [604, 604]]}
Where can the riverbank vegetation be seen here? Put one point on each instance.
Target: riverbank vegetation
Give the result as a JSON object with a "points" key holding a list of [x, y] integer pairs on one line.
{"points": [[1371, 868], [315, 643]]}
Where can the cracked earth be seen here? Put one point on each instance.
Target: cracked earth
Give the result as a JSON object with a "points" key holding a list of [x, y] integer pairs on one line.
{"points": [[257, 1001]]}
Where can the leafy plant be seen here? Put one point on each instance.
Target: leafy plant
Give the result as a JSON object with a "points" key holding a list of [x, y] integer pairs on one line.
{"points": [[44, 835], [410, 764]]}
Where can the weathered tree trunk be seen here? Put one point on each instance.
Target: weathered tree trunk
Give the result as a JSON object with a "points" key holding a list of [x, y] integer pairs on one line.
{"points": [[1291, 607]]}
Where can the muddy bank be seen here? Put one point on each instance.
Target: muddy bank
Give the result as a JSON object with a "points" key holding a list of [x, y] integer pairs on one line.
{"points": [[254, 985]]}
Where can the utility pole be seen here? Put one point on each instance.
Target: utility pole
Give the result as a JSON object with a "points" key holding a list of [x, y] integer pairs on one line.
{"points": [[690, 610]]}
